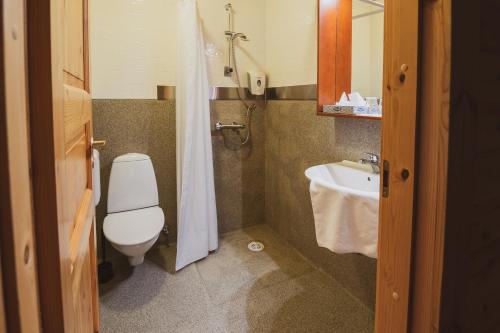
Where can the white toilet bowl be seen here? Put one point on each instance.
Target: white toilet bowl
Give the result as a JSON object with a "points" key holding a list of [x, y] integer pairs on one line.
{"points": [[134, 232], [134, 220]]}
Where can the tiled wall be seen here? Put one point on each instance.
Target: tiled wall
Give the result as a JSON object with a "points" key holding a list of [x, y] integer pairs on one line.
{"points": [[291, 42], [148, 126], [133, 43], [263, 182], [296, 138]]}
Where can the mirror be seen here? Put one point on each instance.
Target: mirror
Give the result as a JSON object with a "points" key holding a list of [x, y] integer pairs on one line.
{"points": [[367, 48], [350, 51]]}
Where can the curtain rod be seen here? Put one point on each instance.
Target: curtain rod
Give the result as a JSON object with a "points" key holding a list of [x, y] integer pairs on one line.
{"points": [[374, 3]]}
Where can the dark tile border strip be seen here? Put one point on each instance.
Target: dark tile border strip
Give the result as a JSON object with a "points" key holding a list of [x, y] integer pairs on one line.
{"points": [[304, 92]]}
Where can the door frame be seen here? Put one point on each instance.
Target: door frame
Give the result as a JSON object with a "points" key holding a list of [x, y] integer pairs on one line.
{"points": [[414, 264], [431, 155], [432, 177], [20, 310]]}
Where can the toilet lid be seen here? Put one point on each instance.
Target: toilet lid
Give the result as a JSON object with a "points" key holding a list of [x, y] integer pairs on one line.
{"points": [[134, 227]]}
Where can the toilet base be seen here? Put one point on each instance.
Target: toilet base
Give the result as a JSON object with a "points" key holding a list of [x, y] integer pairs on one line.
{"points": [[135, 261]]}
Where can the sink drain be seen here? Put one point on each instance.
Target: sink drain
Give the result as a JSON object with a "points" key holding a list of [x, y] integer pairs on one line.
{"points": [[255, 246]]}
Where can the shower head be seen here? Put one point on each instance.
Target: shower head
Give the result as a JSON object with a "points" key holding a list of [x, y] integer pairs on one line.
{"points": [[228, 7]]}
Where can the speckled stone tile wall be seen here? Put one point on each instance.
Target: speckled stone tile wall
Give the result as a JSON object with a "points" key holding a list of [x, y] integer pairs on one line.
{"points": [[239, 173], [263, 182], [148, 126], [142, 126], [296, 138]]}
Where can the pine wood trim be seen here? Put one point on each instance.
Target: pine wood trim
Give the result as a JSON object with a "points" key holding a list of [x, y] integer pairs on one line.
{"points": [[433, 165], [398, 149], [45, 159], [334, 50], [17, 227]]}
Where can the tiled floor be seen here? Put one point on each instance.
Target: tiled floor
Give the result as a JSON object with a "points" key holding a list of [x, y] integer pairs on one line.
{"points": [[233, 290]]}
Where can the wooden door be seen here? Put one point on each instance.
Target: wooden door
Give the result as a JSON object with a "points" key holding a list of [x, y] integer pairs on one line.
{"points": [[61, 126], [398, 169]]}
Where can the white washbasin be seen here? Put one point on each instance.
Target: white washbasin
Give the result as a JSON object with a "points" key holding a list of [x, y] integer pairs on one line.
{"points": [[345, 200], [349, 177]]}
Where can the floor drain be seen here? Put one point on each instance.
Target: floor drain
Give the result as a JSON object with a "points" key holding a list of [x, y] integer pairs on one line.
{"points": [[255, 246]]}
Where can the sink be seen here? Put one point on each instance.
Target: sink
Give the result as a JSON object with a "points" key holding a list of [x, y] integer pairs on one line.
{"points": [[347, 177], [345, 200]]}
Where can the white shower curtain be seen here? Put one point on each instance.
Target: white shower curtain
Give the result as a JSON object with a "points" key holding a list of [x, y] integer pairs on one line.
{"points": [[196, 210]]}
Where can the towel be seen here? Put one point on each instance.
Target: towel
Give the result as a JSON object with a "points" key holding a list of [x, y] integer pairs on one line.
{"points": [[345, 223]]}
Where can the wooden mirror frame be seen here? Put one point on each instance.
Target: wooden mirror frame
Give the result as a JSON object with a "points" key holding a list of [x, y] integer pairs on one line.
{"points": [[334, 51]]}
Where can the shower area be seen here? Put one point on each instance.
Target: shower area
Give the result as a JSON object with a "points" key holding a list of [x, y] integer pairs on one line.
{"points": [[261, 66], [134, 81]]}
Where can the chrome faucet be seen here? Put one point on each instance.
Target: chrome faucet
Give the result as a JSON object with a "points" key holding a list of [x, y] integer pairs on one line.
{"points": [[373, 160], [234, 126]]}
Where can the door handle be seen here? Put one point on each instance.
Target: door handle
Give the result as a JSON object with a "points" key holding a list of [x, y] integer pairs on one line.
{"points": [[97, 143]]}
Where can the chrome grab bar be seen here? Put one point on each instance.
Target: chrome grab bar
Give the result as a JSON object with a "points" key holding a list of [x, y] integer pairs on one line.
{"points": [[234, 126]]}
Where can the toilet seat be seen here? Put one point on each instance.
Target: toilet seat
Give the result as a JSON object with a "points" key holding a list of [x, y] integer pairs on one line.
{"points": [[134, 227]]}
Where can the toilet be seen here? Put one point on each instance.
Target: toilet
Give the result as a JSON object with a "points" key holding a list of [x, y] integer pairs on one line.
{"points": [[134, 220]]}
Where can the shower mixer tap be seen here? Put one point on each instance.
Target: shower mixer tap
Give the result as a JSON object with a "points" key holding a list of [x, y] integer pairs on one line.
{"points": [[234, 126]]}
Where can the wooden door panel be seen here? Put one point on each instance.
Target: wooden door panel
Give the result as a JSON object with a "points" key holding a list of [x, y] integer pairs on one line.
{"points": [[79, 241], [398, 155], [65, 167], [77, 111], [73, 38], [78, 199], [77, 124], [82, 296]]}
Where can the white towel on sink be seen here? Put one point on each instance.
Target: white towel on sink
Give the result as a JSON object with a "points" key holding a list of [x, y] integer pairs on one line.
{"points": [[345, 223]]}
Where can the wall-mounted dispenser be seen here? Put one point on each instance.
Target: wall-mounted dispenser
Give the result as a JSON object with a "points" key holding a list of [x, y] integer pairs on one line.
{"points": [[257, 83]]}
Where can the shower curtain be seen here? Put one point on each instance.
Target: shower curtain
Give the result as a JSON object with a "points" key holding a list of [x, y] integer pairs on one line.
{"points": [[196, 209]]}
